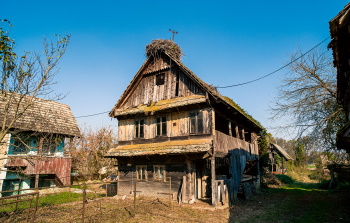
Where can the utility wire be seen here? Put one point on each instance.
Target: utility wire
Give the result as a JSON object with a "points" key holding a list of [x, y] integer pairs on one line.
{"points": [[302, 55], [92, 114], [244, 83]]}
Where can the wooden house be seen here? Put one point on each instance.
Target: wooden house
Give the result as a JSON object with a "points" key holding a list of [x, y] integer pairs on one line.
{"points": [[278, 158], [340, 44], [34, 153], [171, 124]]}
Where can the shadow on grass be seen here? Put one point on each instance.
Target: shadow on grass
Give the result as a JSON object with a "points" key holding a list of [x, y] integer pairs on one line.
{"points": [[294, 202]]}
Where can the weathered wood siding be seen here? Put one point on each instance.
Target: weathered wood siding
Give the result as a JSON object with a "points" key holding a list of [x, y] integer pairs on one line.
{"points": [[225, 143], [177, 125], [61, 167], [151, 187], [176, 84]]}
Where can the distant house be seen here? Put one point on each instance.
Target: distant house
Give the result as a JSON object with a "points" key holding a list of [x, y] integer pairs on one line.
{"points": [[34, 151], [173, 124], [340, 44], [278, 158]]}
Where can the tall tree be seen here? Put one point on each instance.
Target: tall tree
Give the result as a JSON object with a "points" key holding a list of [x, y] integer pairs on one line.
{"points": [[308, 96], [25, 77]]}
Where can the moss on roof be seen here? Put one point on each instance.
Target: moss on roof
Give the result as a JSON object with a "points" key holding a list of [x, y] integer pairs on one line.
{"points": [[242, 111]]}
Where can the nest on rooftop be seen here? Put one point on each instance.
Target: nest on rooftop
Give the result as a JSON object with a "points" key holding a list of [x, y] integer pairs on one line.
{"points": [[158, 46]]}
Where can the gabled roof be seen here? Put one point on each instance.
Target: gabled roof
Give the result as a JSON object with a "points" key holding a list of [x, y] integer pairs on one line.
{"points": [[206, 87], [38, 115], [282, 151]]}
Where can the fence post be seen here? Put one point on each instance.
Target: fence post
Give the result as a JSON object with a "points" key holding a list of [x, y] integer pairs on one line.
{"points": [[18, 191], [135, 195], [69, 193], [84, 200], [36, 205], [170, 194]]}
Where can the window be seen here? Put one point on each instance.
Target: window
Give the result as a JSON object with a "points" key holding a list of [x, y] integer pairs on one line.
{"points": [[139, 128], [196, 122], [21, 146], [141, 172], [161, 126], [160, 79], [51, 145], [159, 172]]}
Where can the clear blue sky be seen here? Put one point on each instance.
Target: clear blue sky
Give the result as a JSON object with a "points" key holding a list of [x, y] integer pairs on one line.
{"points": [[224, 42]]}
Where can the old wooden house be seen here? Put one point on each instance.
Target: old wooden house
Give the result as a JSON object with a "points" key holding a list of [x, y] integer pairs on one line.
{"points": [[340, 44], [34, 153], [171, 124], [278, 158]]}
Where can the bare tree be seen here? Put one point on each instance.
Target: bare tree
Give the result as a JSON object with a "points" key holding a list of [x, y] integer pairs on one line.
{"points": [[89, 150], [25, 77], [308, 95]]}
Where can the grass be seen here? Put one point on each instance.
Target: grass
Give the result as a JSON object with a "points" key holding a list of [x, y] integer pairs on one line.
{"points": [[299, 199]]}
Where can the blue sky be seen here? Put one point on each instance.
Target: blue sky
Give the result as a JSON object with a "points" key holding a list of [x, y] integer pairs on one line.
{"points": [[224, 42]]}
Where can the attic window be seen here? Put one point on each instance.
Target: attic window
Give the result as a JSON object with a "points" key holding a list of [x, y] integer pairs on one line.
{"points": [[160, 79]]}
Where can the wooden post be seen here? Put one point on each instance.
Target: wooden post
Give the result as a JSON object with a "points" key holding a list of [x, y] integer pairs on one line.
{"points": [[135, 196], [229, 128], [237, 132], [213, 178], [189, 178], [36, 205], [84, 200], [184, 186], [36, 184]]}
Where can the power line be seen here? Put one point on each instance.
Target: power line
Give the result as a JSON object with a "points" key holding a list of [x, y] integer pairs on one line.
{"points": [[92, 114], [244, 83], [248, 82]]}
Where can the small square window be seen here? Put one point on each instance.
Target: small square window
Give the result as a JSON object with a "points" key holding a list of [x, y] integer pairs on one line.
{"points": [[160, 78]]}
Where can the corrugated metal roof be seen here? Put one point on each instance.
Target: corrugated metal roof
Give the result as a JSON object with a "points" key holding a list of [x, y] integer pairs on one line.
{"points": [[38, 115], [162, 148]]}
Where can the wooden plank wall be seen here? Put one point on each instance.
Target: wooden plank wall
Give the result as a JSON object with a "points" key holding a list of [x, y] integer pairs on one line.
{"points": [[225, 143], [147, 91], [177, 125]]}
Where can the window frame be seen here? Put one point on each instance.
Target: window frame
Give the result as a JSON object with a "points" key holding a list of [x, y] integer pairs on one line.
{"points": [[139, 128], [139, 172], [196, 125], [161, 122], [157, 173], [160, 79]]}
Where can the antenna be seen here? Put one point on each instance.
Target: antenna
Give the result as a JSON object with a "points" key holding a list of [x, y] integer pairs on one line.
{"points": [[173, 32]]}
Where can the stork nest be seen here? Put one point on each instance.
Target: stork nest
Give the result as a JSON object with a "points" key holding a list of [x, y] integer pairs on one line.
{"points": [[158, 46]]}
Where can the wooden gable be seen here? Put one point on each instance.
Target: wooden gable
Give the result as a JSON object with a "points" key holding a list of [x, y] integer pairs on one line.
{"points": [[159, 79]]}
